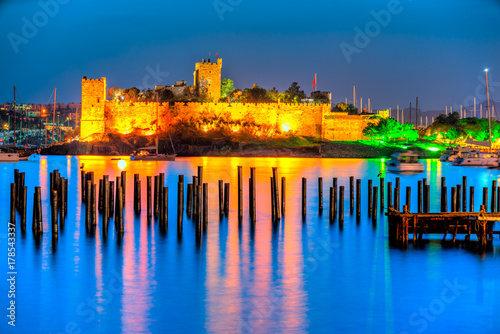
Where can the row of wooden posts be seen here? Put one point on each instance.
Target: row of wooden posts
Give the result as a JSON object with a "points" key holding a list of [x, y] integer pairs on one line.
{"points": [[111, 198], [58, 190]]}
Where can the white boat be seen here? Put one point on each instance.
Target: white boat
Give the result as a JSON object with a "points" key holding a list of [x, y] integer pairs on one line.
{"points": [[146, 154], [451, 154], [9, 157], [402, 162], [477, 159]]}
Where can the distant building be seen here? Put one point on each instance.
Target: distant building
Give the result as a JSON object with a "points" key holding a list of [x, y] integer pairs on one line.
{"points": [[322, 96], [179, 89]]}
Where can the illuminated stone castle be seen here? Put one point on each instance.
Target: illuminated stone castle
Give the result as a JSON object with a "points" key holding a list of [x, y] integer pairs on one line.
{"points": [[100, 116], [207, 78]]}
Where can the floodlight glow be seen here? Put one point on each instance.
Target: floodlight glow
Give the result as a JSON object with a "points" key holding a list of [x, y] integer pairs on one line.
{"points": [[433, 149], [486, 70]]}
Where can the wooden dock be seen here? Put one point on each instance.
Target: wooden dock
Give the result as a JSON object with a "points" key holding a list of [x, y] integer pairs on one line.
{"points": [[402, 224]]}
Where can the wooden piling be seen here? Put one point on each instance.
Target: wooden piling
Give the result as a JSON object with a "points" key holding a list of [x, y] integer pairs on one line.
{"points": [[276, 193], [351, 194], [382, 192], [221, 198], [370, 200], [375, 206], [273, 204], [119, 209], [335, 197], [320, 194], [205, 204], [54, 213], [200, 176], [195, 203], [427, 200], [199, 198], [419, 196], [396, 197], [100, 198], [458, 206], [88, 209], [304, 196], [358, 199], [189, 197], [82, 184], [253, 201], [180, 201], [389, 194], [38, 206], [283, 196], [331, 205], [61, 202], [396, 184], [93, 204], [453, 199], [164, 211], [111, 206], [23, 204], [149, 180], [341, 204], [240, 192], [226, 198], [464, 193], [161, 184], [138, 199], [493, 196], [408, 198], [124, 185]]}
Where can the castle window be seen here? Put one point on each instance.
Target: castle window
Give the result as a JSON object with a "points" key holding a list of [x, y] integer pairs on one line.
{"points": [[97, 100], [209, 71]]}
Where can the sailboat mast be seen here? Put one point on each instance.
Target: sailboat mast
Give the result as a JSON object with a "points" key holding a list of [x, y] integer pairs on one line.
{"points": [[54, 116], [15, 116], [157, 124], [488, 100]]}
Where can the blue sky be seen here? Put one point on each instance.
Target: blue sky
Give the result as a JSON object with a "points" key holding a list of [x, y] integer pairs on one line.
{"points": [[436, 50]]}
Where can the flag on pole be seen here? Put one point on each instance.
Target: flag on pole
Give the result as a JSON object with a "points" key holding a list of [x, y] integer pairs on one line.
{"points": [[216, 55], [314, 83]]}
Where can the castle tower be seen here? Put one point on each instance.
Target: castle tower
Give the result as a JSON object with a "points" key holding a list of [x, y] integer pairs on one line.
{"points": [[93, 102], [207, 78]]}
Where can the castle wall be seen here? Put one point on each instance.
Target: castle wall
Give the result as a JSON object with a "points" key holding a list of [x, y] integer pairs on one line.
{"points": [[314, 120], [340, 126]]}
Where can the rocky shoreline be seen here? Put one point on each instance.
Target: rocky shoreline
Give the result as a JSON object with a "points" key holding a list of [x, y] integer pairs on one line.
{"points": [[223, 149]]}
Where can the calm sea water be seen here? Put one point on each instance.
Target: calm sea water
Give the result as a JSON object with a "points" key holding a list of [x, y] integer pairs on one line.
{"points": [[300, 277]]}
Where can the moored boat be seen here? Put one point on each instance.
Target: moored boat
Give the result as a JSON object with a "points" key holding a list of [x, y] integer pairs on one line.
{"points": [[477, 159], [402, 162]]}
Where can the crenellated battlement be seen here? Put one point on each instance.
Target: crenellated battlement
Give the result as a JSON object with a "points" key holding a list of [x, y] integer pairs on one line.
{"points": [[100, 116]]}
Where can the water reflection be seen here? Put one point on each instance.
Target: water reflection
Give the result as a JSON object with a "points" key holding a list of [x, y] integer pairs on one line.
{"points": [[289, 277]]}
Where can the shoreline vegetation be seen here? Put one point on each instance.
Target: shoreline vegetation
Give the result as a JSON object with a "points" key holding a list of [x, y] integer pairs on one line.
{"points": [[286, 146]]}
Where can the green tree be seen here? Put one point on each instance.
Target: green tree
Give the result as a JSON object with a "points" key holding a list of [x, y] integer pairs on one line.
{"points": [[390, 129], [255, 94], [227, 87], [341, 107], [273, 94], [294, 94]]}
